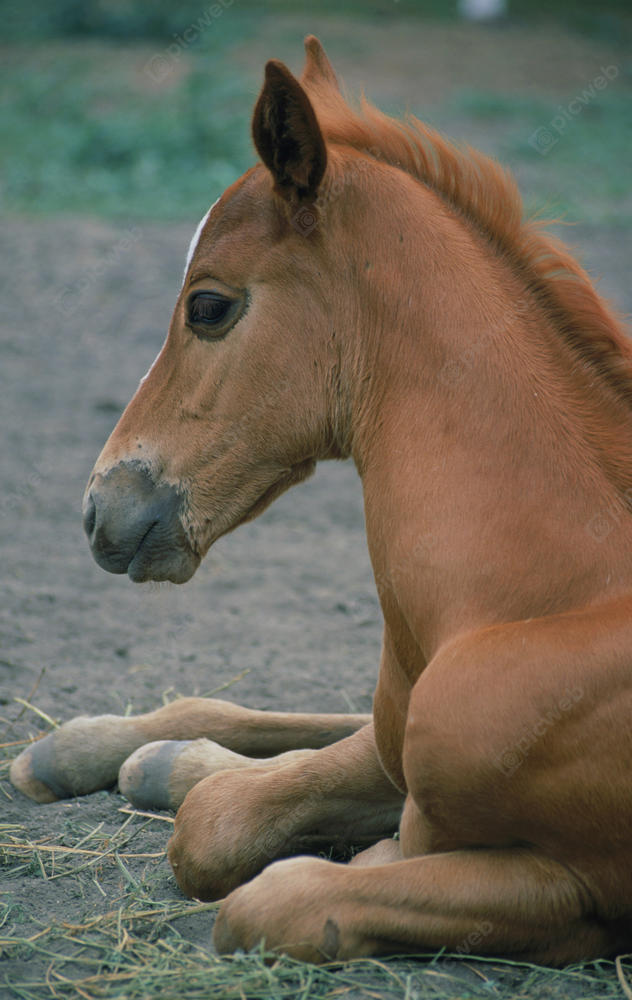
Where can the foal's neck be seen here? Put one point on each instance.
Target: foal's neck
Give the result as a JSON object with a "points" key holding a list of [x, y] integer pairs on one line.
{"points": [[486, 447]]}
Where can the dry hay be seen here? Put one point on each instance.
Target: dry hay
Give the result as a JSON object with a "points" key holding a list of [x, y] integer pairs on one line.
{"points": [[136, 951]]}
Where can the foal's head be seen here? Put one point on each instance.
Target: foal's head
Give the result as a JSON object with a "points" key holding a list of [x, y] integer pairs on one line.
{"points": [[325, 298], [245, 395]]}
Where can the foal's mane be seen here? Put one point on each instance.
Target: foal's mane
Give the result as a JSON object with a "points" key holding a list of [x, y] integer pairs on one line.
{"points": [[486, 195]]}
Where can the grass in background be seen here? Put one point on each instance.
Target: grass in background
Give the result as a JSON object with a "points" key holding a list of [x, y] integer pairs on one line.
{"points": [[83, 129], [137, 19], [583, 174]]}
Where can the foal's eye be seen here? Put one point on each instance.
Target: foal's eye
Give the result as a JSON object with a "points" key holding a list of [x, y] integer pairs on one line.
{"points": [[207, 310]]}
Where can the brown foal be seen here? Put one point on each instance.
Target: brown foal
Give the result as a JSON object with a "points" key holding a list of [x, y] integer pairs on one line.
{"points": [[369, 291]]}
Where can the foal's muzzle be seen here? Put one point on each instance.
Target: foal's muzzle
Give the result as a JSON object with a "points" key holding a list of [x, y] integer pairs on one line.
{"points": [[133, 526]]}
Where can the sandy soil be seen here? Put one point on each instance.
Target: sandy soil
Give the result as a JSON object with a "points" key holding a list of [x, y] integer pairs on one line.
{"points": [[289, 598]]}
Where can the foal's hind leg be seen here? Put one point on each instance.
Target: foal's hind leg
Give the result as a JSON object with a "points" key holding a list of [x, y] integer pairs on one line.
{"points": [[85, 754], [513, 902], [160, 775]]}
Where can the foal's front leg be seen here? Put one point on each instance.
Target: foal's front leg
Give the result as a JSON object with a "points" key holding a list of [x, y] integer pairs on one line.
{"points": [[234, 823], [85, 754]]}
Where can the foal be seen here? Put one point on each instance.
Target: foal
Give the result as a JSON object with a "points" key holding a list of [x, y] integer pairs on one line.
{"points": [[369, 291]]}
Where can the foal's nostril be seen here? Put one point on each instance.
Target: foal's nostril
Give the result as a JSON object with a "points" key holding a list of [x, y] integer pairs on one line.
{"points": [[89, 516]]}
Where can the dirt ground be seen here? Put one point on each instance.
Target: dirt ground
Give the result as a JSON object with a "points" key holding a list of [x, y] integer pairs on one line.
{"points": [[289, 598]]}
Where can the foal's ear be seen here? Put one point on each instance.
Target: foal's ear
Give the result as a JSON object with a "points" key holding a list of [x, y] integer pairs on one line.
{"points": [[318, 72], [287, 135]]}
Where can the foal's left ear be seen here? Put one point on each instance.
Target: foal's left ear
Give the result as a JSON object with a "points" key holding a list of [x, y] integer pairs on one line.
{"points": [[287, 135]]}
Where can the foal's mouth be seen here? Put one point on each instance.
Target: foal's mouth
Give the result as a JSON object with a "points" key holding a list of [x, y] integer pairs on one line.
{"points": [[134, 526]]}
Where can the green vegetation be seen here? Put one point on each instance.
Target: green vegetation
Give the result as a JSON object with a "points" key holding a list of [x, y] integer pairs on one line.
{"points": [[85, 130], [103, 111], [137, 19], [574, 166]]}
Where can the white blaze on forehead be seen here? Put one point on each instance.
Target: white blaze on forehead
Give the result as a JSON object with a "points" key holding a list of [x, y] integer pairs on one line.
{"points": [[196, 239], [191, 251]]}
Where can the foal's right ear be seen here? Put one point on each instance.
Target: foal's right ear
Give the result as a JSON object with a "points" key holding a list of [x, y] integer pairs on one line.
{"points": [[287, 135]]}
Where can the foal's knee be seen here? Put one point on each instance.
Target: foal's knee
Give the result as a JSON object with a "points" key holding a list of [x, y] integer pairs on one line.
{"points": [[192, 853], [211, 851]]}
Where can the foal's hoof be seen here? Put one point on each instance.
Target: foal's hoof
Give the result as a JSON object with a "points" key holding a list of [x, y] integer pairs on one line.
{"points": [[33, 773], [144, 778], [159, 775], [80, 757]]}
